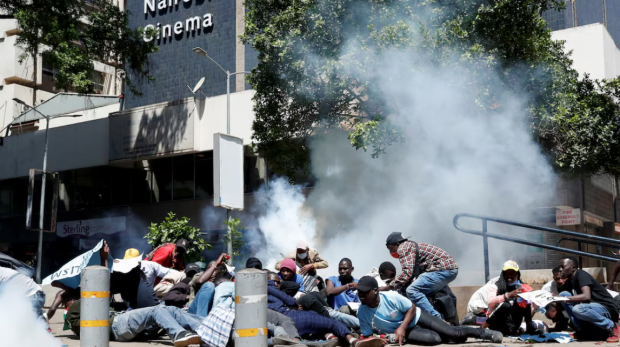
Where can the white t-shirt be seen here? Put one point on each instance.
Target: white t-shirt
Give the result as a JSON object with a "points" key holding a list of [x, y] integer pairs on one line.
{"points": [[152, 270], [479, 301], [17, 280]]}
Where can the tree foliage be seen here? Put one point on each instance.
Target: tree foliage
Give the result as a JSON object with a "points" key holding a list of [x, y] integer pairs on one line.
{"points": [[319, 59], [235, 234], [172, 229], [71, 34]]}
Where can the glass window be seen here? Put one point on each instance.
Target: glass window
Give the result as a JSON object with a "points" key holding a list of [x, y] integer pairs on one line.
{"points": [[19, 197], [65, 191], [102, 187], [251, 175], [83, 181], [5, 199], [183, 177], [140, 186], [161, 182], [204, 175], [121, 185]]}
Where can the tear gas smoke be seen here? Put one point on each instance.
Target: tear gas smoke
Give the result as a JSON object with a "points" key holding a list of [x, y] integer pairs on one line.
{"points": [[455, 159], [18, 324]]}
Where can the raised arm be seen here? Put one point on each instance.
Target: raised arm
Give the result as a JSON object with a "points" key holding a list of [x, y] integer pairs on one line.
{"points": [[209, 272], [55, 304]]}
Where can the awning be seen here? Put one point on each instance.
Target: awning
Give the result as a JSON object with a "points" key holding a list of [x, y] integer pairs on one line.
{"points": [[66, 103]]}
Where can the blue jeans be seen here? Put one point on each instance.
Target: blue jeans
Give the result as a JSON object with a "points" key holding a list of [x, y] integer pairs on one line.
{"points": [[593, 313], [346, 319], [201, 306], [126, 326], [427, 284]]}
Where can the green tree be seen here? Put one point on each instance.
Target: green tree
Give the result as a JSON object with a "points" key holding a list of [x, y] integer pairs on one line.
{"points": [[173, 229], [318, 64], [235, 234], [70, 34]]}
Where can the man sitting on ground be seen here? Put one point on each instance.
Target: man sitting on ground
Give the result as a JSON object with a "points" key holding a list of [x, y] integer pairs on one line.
{"points": [[126, 326], [307, 257], [437, 269], [342, 289], [390, 313], [556, 285], [478, 305], [589, 301], [287, 273], [203, 301]]}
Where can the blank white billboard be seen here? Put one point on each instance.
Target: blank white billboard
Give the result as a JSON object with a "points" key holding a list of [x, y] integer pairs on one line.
{"points": [[228, 171]]}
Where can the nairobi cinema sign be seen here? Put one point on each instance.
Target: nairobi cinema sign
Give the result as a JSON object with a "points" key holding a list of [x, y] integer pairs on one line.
{"points": [[191, 24]]}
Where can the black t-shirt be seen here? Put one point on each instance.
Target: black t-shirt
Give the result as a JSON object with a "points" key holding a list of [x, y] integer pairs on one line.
{"points": [[599, 294]]}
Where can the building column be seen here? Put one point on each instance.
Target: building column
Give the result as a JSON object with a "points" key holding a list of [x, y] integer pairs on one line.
{"points": [[240, 47]]}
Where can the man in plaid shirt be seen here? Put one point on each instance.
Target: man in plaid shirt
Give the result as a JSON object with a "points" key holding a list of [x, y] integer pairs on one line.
{"points": [[437, 269]]}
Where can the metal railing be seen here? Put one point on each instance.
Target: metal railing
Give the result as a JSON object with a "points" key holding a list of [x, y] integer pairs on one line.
{"points": [[597, 244], [485, 236]]}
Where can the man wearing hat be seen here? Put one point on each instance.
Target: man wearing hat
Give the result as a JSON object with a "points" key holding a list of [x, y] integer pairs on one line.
{"points": [[307, 257], [152, 270], [170, 255], [391, 313], [436, 269]]}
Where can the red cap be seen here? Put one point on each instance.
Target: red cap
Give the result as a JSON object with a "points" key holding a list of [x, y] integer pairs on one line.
{"points": [[288, 264]]}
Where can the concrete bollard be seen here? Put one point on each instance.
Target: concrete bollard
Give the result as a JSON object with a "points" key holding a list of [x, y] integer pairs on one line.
{"points": [[250, 308], [95, 307]]}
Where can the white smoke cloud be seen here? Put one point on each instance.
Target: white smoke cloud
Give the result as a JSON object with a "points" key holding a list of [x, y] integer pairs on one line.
{"points": [[18, 323], [455, 159]]}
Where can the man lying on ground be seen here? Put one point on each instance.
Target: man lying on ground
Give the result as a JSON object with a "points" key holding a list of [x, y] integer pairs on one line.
{"points": [[390, 313], [170, 255], [309, 322], [129, 325], [589, 302]]}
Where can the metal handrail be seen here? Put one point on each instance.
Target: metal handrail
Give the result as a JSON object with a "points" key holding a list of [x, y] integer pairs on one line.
{"points": [[597, 244], [485, 235]]}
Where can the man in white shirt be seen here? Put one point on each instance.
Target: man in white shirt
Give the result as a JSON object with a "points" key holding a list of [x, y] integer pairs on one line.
{"points": [[151, 269], [554, 286], [10, 278]]}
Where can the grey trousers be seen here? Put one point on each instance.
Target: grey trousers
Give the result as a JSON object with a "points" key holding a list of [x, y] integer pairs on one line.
{"points": [[279, 323]]}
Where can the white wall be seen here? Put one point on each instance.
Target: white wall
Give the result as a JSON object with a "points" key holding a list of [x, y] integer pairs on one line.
{"points": [[9, 59], [69, 147], [9, 109], [593, 50]]}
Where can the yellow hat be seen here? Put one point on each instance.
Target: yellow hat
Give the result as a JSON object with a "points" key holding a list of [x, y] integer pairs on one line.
{"points": [[131, 253], [511, 265]]}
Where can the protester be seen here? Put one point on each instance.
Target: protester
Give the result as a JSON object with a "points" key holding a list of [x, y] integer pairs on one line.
{"points": [[478, 304], [287, 273], [65, 297], [126, 326], [203, 301], [387, 271], [506, 312], [556, 285], [153, 271], [555, 313], [307, 257], [388, 312], [253, 263], [341, 290], [309, 322], [436, 270], [170, 255], [589, 302], [23, 285]]}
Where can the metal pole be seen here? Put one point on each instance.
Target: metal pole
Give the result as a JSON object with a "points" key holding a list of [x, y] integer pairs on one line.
{"points": [[230, 236], [580, 258], [42, 206], [95, 307], [250, 308], [485, 243]]}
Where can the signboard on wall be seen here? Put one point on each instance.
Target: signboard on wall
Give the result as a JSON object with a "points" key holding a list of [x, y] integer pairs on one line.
{"points": [[227, 171], [165, 128], [88, 227], [570, 216]]}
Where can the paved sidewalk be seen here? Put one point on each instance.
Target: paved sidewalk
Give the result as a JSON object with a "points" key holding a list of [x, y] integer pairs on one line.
{"points": [[68, 339]]}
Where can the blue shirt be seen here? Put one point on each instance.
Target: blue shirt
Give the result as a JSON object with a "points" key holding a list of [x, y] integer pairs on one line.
{"points": [[388, 316], [277, 300], [349, 295], [297, 279]]}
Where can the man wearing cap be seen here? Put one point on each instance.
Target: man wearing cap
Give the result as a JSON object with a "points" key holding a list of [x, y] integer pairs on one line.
{"points": [[288, 273], [152, 270], [307, 257], [391, 313], [170, 255], [437, 269]]}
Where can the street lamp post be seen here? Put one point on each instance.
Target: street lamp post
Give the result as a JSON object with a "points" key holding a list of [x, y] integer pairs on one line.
{"points": [[203, 53], [43, 181]]}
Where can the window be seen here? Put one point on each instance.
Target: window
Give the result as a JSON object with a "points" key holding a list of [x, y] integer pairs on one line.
{"points": [[102, 187], [161, 182], [555, 19], [204, 175], [5, 199], [140, 186], [121, 186], [183, 177], [83, 181]]}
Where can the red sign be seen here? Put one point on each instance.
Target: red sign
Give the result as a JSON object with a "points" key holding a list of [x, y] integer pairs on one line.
{"points": [[570, 216]]}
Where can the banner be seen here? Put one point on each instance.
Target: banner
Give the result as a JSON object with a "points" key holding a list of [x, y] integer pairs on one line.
{"points": [[71, 273]]}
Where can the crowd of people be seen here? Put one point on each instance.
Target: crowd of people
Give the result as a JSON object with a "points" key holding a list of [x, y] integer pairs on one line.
{"points": [[194, 303]]}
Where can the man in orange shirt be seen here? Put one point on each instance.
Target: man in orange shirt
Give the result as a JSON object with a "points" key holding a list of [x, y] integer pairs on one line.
{"points": [[170, 255]]}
